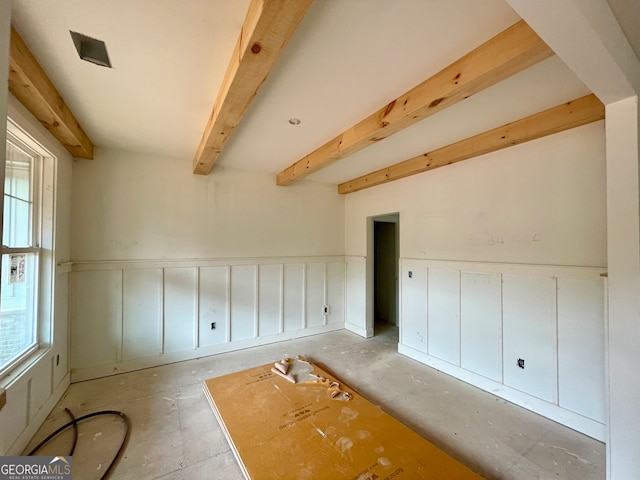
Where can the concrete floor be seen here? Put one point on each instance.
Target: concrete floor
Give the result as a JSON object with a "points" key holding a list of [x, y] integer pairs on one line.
{"points": [[175, 434]]}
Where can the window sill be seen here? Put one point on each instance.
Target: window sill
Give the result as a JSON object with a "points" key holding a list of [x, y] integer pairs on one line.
{"points": [[20, 371]]}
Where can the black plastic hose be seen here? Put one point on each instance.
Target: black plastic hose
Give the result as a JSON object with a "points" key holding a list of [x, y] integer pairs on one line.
{"points": [[74, 422]]}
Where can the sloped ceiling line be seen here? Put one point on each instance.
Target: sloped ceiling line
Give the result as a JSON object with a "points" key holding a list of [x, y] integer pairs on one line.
{"points": [[511, 51], [267, 28], [563, 117], [30, 85]]}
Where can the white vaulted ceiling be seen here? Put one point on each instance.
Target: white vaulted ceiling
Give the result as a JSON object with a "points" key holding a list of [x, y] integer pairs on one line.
{"points": [[347, 59]]}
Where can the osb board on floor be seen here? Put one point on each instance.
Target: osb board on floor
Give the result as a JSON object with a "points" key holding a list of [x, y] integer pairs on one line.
{"points": [[283, 430]]}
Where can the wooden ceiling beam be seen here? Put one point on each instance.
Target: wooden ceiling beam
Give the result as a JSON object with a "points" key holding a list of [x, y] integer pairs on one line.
{"points": [[557, 119], [30, 85], [506, 54], [266, 30]]}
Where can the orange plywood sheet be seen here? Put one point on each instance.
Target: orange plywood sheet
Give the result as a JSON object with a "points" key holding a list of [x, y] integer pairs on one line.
{"points": [[318, 429]]}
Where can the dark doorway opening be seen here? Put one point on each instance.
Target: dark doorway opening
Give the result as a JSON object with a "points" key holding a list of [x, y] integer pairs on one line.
{"points": [[385, 272]]}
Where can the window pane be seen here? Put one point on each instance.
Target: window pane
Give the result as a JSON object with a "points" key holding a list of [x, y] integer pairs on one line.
{"points": [[6, 229], [17, 318], [17, 198], [17, 225], [17, 172], [20, 183]]}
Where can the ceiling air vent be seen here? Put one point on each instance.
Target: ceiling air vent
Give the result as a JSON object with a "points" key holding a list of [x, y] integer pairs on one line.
{"points": [[91, 49]]}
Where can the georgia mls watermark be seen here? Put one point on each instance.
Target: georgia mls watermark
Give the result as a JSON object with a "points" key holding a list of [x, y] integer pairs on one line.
{"points": [[35, 468]]}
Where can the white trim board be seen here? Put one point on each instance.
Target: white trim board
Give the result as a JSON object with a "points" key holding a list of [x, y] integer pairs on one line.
{"points": [[563, 416], [131, 315], [534, 335], [89, 373]]}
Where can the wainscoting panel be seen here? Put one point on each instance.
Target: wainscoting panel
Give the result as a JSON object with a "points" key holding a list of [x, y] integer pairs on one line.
{"points": [[270, 300], [131, 315], [214, 306], [444, 314], [96, 318], [294, 311], [581, 357], [243, 302], [533, 335], [530, 342], [481, 324], [336, 292], [40, 388], [12, 425], [315, 294], [142, 313], [180, 317], [356, 296], [413, 305]]}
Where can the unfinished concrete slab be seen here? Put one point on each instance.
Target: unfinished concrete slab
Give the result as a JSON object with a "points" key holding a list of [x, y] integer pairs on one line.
{"points": [[175, 435]]}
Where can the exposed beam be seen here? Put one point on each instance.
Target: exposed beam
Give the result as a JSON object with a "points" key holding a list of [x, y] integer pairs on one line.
{"points": [[506, 54], [29, 83], [266, 30], [557, 119]]}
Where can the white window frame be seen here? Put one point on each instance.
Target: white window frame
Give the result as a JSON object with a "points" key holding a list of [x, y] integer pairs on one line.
{"points": [[41, 243]]}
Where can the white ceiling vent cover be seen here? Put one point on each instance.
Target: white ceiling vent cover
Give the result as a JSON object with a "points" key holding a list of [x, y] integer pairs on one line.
{"points": [[91, 49]]}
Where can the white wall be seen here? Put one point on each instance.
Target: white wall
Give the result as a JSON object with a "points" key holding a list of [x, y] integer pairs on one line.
{"points": [[475, 236], [542, 202], [34, 388], [129, 206], [160, 254]]}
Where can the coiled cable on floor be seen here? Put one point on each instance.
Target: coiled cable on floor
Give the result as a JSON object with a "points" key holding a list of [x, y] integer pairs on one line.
{"points": [[74, 423], [75, 432]]}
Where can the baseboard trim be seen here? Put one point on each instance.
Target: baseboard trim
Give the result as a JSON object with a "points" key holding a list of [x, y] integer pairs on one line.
{"points": [[98, 371], [358, 330], [568, 418]]}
